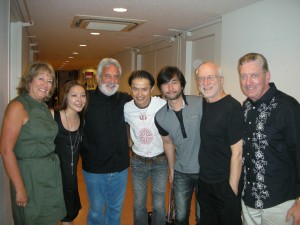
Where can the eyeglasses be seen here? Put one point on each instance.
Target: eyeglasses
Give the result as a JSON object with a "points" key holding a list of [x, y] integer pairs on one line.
{"points": [[209, 78]]}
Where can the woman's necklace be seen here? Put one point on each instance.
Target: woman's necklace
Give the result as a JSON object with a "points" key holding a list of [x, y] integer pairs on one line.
{"points": [[74, 146]]}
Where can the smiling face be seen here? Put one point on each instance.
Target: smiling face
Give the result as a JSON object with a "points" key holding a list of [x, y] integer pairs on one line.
{"points": [[209, 82], [141, 92], [172, 90], [254, 80], [76, 98], [109, 80], [40, 86]]}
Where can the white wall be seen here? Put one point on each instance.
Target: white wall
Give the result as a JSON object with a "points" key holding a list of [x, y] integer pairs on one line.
{"points": [[270, 27], [15, 57], [155, 57], [203, 45], [125, 60], [5, 210], [151, 58]]}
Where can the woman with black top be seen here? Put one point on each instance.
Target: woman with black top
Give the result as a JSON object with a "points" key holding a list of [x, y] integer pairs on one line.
{"points": [[68, 140]]}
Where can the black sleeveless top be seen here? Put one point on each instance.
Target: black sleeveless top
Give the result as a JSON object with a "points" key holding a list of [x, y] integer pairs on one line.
{"points": [[68, 165]]}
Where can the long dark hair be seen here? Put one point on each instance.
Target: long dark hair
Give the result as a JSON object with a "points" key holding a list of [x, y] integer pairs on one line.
{"points": [[66, 89]]}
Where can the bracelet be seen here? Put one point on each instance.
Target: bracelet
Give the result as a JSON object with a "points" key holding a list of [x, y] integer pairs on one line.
{"points": [[298, 199]]}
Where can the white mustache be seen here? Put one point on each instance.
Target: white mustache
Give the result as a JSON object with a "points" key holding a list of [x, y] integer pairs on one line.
{"points": [[110, 85]]}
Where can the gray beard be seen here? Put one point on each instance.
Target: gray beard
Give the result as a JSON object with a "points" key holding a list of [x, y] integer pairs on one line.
{"points": [[103, 89]]}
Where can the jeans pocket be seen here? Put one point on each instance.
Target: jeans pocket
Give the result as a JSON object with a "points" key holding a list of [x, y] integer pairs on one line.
{"points": [[162, 163], [135, 163]]}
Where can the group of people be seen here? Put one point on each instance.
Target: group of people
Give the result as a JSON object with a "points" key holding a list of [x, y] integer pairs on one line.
{"points": [[242, 160]]}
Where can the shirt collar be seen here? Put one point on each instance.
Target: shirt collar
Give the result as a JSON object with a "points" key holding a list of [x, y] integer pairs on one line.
{"points": [[41, 104], [266, 97], [184, 103]]}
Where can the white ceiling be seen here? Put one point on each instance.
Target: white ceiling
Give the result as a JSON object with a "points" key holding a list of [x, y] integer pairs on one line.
{"points": [[57, 40]]}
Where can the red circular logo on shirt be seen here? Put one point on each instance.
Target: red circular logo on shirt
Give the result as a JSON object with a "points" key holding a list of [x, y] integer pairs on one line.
{"points": [[146, 136]]}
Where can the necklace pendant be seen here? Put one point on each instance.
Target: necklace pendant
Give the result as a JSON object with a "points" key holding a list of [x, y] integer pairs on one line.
{"points": [[72, 164]]}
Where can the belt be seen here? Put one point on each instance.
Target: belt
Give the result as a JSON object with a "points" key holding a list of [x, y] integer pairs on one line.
{"points": [[161, 156]]}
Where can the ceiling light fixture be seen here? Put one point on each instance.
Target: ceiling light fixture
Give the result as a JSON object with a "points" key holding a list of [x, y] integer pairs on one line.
{"points": [[95, 33], [82, 45], [120, 9], [99, 23], [75, 53]]}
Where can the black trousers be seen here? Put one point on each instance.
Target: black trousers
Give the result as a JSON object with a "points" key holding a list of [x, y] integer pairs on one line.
{"points": [[219, 205]]}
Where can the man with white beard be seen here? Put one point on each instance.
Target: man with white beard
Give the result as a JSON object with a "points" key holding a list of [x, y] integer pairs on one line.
{"points": [[105, 151]]}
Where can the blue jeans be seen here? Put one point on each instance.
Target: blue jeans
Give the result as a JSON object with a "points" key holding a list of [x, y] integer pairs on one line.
{"points": [[184, 185], [106, 193], [158, 173]]}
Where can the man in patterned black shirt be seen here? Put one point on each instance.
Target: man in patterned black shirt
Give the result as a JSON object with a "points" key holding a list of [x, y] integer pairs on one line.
{"points": [[271, 148]]}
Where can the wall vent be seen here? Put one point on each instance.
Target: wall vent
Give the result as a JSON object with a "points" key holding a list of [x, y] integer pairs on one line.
{"points": [[105, 23]]}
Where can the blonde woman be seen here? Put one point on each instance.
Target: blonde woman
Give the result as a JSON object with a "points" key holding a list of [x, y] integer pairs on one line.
{"points": [[27, 149]]}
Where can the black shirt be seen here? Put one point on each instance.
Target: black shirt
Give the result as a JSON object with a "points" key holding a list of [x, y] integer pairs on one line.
{"points": [[271, 151], [105, 143], [221, 126]]}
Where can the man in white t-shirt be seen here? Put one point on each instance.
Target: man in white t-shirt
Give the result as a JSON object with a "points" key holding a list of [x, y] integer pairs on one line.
{"points": [[148, 156]]}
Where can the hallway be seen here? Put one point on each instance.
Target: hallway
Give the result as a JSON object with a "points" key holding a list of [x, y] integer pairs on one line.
{"points": [[127, 214]]}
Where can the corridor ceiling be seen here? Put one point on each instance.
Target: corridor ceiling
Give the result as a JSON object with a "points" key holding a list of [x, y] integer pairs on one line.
{"points": [[54, 39]]}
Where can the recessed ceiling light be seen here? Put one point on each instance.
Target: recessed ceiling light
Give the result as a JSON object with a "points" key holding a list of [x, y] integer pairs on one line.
{"points": [[120, 9], [75, 53], [82, 45], [95, 33], [71, 57]]}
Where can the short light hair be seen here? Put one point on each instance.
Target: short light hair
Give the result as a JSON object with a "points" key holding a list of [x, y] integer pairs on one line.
{"points": [[251, 57], [33, 70], [107, 62], [220, 72]]}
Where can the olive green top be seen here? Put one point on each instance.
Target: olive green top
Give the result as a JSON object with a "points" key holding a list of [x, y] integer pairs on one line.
{"points": [[39, 167]]}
